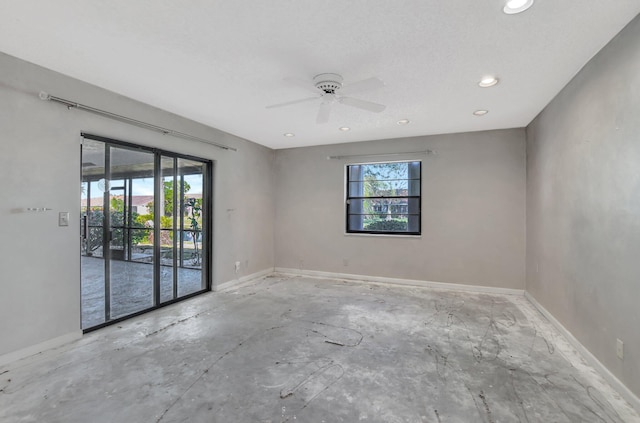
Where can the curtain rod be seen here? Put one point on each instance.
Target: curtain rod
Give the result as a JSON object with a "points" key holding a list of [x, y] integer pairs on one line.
{"points": [[45, 96], [427, 152]]}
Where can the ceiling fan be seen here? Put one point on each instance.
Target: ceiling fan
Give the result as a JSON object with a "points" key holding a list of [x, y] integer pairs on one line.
{"points": [[329, 84]]}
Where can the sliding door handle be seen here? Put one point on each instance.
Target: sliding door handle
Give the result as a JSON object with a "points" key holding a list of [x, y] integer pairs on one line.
{"points": [[85, 227]]}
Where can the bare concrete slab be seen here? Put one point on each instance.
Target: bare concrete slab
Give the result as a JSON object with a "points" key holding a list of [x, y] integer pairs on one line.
{"points": [[287, 349]]}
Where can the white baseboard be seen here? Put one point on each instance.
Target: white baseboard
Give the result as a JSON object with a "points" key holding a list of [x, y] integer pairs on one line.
{"points": [[615, 383], [405, 282], [235, 283], [38, 348]]}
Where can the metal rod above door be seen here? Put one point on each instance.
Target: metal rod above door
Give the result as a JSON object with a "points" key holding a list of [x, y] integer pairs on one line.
{"points": [[72, 104]]}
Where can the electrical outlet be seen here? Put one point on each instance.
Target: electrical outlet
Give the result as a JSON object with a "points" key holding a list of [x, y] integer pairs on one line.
{"points": [[620, 349], [237, 266], [345, 262]]}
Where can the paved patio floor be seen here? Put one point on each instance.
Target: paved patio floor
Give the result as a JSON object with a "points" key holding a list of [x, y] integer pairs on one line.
{"points": [[131, 287]]}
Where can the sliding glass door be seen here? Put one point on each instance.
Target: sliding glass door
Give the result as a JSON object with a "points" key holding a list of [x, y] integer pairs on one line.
{"points": [[181, 227], [145, 227]]}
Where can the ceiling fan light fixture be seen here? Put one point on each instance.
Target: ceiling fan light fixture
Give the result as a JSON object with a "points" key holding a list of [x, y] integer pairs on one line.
{"points": [[513, 7], [403, 122], [488, 81]]}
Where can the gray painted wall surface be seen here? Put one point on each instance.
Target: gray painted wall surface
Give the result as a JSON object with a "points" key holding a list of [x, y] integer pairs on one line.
{"points": [[40, 167], [473, 211], [583, 197]]}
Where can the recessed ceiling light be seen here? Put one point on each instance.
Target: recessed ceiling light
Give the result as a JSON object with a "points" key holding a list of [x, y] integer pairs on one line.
{"points": [[344, 128], [289, 134], [517, 6], [403, 122], [488, 81], [480, 112]]}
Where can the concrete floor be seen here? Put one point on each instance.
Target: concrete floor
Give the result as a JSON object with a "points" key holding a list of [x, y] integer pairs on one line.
{"points": [[287, 349]]}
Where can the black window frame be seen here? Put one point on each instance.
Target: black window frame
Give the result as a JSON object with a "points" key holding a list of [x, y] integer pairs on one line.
{"points": [[416, 213]]}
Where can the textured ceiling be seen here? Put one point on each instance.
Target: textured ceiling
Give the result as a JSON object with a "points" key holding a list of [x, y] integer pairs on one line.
{"points": [[221, 62]]}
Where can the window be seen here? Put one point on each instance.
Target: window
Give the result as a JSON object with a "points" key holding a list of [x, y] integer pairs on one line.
{"points": [[384, 198]]}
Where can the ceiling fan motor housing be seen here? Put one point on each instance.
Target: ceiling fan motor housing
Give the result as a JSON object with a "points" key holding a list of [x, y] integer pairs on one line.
{"points": [[328, 82]]}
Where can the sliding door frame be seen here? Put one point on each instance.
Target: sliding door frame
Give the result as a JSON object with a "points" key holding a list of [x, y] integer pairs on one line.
{"points": [[207, 223]]}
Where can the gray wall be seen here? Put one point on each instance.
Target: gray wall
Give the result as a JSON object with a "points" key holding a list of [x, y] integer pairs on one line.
{"points": [[40, 167], [583, 197], [473, 211]]}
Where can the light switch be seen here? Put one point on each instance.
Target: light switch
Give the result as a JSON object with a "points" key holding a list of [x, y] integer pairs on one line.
{"points": [[63, 219]]}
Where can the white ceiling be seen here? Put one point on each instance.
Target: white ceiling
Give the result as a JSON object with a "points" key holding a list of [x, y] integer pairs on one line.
{"points": [[220, 62]]}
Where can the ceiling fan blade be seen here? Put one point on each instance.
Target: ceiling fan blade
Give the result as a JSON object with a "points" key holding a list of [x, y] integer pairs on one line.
{"points": [[364, 85], [362, 104], [293, 102], [323, 113], [307, 85]]}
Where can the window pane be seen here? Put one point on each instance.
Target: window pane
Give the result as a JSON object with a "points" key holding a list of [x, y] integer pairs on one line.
{"points": [[390, 223], [385, 171], [142, 247], [373, 188], [384, 206], [190, 276], [130, 281]]}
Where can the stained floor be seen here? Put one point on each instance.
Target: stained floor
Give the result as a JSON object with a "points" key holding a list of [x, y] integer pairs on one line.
{"points": [[291, 349]]}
